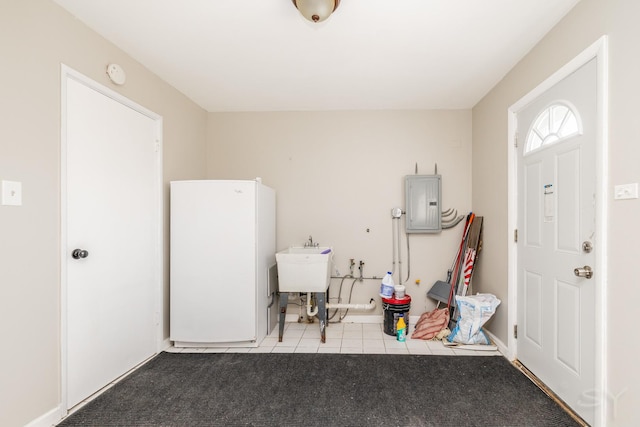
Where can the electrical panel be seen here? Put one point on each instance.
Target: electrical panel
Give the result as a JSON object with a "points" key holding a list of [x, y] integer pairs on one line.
{"points": [[422, 199]]}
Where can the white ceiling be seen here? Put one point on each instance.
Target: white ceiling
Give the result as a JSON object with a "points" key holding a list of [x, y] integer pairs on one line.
{"points": [[262, 55]]}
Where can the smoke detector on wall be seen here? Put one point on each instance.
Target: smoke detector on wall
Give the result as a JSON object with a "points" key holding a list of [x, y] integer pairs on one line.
{"points": [[116, 74]]}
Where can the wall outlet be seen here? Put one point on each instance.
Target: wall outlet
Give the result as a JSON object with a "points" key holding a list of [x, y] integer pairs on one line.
{"points": [[626, 191], [11, 193]]}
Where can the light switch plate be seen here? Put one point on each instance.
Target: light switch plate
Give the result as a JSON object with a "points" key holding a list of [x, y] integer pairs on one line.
{"points": [[626, 191], [11, 193]]}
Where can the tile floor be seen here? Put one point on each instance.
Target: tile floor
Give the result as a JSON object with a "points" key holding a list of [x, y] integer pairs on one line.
{"points": [[366, 338]]}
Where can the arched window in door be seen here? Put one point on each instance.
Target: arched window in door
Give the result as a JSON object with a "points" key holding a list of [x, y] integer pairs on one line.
{"points": [[557, 122]]}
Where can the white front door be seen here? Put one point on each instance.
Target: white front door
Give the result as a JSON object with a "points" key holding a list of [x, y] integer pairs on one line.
{"points": [[111, 155], [557, 235]]}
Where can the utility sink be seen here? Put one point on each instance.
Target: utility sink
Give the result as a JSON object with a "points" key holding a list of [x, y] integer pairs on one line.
{"points": [[304, 269]]}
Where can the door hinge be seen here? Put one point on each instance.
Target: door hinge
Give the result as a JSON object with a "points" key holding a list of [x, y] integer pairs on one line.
{"points": [[515, 331], [515, 235], [515, 140]]}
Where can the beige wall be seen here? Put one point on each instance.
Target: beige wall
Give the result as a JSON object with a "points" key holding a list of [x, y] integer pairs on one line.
{"points": [[589, 20], [35, 37], [338, 174]]}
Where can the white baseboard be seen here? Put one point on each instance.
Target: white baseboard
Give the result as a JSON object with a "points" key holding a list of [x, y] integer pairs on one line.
{"points": [[166, 343], [501, 347], [48, 419]]}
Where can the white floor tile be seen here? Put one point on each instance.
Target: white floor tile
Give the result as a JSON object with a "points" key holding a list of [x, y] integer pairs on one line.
{"points": [[346, 338], [309, 343], [275, 333], [395, 344], [269, 341], [312, 333], [293, 333], [372, 327], [417, 344], [372, 335], [425, 350], [372, 345], [332, 343], [436, 345], [352, 334], [296, 326], [333, 333], [288, 342], [352, 342], [335, 325]]}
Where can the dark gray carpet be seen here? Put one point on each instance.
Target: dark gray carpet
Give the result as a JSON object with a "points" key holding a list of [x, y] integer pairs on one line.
{"points": [[257, 389]]}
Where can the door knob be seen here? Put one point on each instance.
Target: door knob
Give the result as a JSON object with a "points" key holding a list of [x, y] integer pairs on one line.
{"points": [[585, 271], [79, 253]]}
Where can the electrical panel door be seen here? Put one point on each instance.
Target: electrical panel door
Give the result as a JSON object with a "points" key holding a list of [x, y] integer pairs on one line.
{"points": [[423, 213]]}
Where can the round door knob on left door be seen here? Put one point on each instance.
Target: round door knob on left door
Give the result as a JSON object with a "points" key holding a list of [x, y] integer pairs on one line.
{"points": [[79, 253]]}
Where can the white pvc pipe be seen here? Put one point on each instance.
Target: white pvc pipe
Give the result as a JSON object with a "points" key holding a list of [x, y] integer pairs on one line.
{"points": [[399, 243], [310, 312], [393, 244], [369, 306]]}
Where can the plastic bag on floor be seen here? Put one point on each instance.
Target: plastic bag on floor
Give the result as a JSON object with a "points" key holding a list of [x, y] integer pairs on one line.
{"points": [[474, 312]]}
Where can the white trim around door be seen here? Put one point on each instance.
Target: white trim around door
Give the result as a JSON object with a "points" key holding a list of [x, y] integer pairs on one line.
{"points": [[596, 50], [68, 74]]}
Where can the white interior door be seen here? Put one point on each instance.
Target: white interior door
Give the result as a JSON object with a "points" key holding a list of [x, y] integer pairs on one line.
{"points": [[557, 234], [112, 212]]}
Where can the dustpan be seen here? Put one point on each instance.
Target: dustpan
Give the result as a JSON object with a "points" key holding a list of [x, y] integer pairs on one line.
{"points": [[440, 291]]}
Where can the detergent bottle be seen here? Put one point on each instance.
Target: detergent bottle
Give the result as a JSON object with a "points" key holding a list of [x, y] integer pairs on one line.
{"points": [[386, 288], [401, 328]]}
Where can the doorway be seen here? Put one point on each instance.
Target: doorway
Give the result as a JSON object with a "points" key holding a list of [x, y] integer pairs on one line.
{"points": [[557, 212], [111, 254]]}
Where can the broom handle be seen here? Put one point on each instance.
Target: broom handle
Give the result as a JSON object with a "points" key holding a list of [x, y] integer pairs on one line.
{"points": [[454, 280]]}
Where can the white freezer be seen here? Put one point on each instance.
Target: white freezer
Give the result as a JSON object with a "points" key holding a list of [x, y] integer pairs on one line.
{"points": [[222, 247]]}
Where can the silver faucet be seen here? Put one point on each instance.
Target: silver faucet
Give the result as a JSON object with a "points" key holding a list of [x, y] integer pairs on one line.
{"points": [[310, 244]]}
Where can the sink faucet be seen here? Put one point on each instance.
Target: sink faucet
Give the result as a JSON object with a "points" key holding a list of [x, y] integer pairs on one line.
{"points": [[310, 244]]}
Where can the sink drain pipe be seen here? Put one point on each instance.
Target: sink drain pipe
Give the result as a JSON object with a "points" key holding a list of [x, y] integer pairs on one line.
{"points": [[312, 311]]}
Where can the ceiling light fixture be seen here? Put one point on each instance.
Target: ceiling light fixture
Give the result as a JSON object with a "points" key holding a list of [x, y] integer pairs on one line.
{"points": [[316, 10]]}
